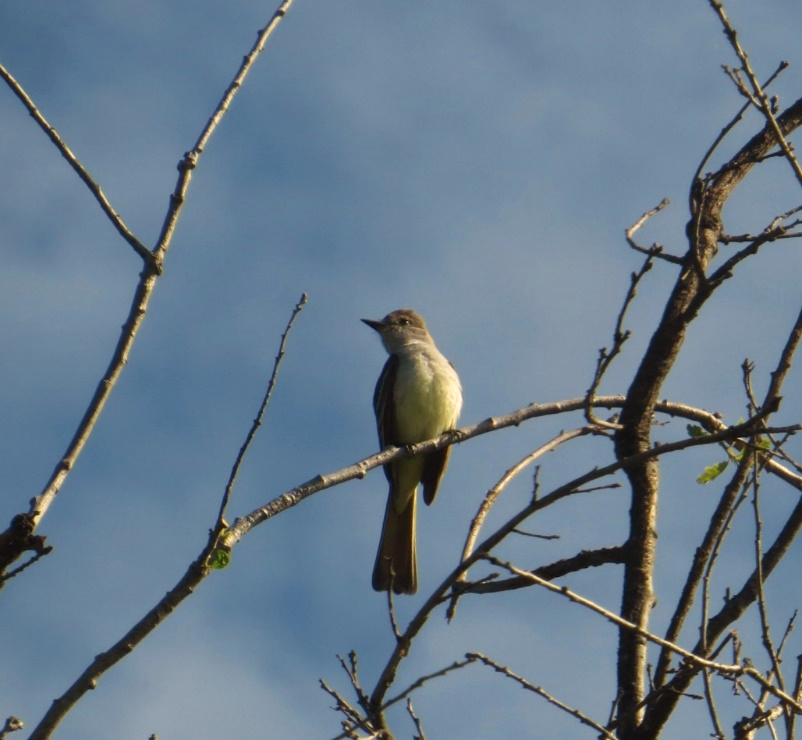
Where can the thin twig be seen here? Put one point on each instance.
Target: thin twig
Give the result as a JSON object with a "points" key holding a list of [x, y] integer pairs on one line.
{"points": [[16, 571], [493, 494], [76, 165], [583, 718], [353, 718], [763, 104], [12, 724], [765, 629], [784, 363], [190, 160], [655, 250], [416, 720], [720, 520], [691, 657], [771, 233], [351, 669], [419, 682], [697, 178], [718, 730], [538, 535], [734, 607], [722, 526], [87, 681], [789, 628], [581, 561], [620, 336], [196, 572], [257, 422], [774, 226], [797, 693]]}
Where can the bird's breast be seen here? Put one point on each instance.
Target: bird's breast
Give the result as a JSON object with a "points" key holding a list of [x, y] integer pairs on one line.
{"points": [[427, 395]]}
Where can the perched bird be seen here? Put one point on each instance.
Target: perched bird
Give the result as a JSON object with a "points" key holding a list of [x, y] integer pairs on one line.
{"points": [[418, 397]]}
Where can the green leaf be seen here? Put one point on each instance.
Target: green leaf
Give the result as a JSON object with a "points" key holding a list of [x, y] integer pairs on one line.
{"points": [[219, 559], [695, 431], [712, 472]]}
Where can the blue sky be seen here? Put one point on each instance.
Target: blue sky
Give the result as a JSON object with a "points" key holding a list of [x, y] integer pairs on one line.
{"points": [[478, 162]]}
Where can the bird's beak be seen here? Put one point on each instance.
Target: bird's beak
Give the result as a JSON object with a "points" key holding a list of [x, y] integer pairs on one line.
{"points": [[377, 325]]}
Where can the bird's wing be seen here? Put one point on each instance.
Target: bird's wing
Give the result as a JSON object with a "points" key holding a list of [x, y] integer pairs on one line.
{"points": [[385, 408], [433, 468]]}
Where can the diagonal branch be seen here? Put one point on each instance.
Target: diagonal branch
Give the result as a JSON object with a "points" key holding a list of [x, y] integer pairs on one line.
{"points": [[190, 160], [697, 178], [690, 293], [257, 422], [662, 707], [81, 171], [523, 683], [691, 657], [581, 561], [20, 532], [197, 572], [702, 556], [493, 494], [200, 568], [763, 102]]}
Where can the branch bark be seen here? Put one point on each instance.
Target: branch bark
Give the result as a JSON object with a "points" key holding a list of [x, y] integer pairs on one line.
{"points": [[19, 537], [690, 292]]}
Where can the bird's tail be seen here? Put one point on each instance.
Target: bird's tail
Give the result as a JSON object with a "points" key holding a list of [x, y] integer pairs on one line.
{"points": [[396, 561]]}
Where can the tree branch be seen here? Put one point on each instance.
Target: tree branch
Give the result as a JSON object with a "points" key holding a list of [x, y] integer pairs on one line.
{"points": [[142, 295], [690, 292], [66, 152]]}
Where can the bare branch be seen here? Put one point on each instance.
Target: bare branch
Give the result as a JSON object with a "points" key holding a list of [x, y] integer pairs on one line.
{"points": [[351, 669], [418, 683], [136, 315], [690, 293], [200, 569], [190, 160], [697, 178], [718, 730], [196, 572], [691, 657], [416, 720], [105, 660], [581, 561], [391, 609], [147, 282], [81, 171], [702, 563], [439, 594], [359, 469], [762, 101], [620, 336], [353, 719], [655, 250], [765, 627], [784, 363], [748, 727], [733, 609], [583, 718], [12, 724], [493, 494], [19, 569], [257, 422]]}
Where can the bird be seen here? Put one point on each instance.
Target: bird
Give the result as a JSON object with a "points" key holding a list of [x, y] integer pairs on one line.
{"points": [[418, 396]]}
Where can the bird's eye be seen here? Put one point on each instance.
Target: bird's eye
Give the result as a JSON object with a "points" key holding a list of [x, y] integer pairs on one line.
{"points": [[403, 322]]}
